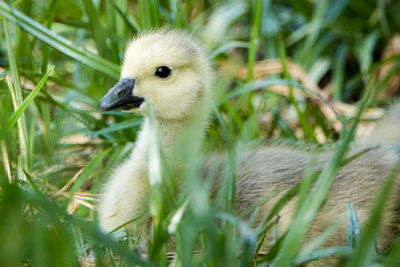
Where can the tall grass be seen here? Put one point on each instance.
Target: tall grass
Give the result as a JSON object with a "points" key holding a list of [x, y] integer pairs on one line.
{"points": [[57, 58]]}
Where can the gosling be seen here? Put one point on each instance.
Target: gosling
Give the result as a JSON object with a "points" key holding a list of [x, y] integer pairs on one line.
{"points": [[171, 71]]}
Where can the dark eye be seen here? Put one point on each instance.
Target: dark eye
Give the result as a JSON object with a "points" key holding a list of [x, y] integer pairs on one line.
{"points": [[163, 72]]}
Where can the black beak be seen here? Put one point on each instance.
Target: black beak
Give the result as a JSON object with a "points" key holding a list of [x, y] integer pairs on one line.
{"points": [[121, 96]]}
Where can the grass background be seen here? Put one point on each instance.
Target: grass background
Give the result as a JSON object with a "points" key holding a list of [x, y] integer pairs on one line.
{"points": [[281, 66]]}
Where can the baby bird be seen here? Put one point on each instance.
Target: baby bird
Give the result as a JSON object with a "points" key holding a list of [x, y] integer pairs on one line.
{"points": [[171, 71]]}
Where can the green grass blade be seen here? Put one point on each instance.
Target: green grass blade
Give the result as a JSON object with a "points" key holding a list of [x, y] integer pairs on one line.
{"points": [[154, 7], [145, 18], [98, 32], [126, 124], [131, 24], [6, 161], [58, 42], [112, 26], [227, 46], [176, 13], [13, 64], [257, 85], [393, 257], [364, 50], [93, 165], [254, 35], [315, 26], [254, 38], [338, 72], [229, 188], [17, 114], [157, 184], [15, 90], [305, 125], [335, 9]]}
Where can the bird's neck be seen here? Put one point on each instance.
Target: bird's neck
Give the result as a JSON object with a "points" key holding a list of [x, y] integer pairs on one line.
{"points": [[166, 133], [175, 138]]}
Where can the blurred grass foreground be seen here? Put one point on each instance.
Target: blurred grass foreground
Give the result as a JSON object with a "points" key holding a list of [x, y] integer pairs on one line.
{"points": [[282, 66]]}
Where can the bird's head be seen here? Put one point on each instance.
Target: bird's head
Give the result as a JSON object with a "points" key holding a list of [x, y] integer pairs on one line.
{"points": [[167, 68]]}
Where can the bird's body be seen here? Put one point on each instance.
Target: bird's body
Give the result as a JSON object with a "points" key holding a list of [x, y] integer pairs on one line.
{"points": [[358, 183], [171, 71]]}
